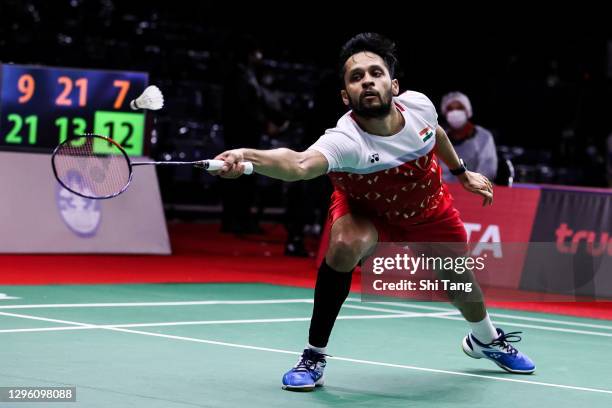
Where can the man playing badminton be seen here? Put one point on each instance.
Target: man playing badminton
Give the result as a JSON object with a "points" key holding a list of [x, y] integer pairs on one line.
{"points": [[382, 158]]}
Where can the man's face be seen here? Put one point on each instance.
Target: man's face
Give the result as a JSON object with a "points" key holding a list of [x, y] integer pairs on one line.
{"points": [[368, 87]]}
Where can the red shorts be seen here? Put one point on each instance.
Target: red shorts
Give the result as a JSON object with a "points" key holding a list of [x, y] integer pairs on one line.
{"points": [[444, 227]]}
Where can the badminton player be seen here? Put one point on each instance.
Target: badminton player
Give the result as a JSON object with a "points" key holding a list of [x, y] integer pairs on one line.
{"points": [[382, 158]]}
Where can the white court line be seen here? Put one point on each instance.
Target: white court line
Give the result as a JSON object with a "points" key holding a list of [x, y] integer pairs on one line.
{"points": [[505, 315], [143, 304], [46, 319], [352, 360], [380, 309], [45, 329], [285, 301], [555, 321], [532, 326], [309, 300], [210, 322], [411, 305]]}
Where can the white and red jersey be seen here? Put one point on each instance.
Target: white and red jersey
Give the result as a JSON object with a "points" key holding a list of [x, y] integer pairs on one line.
{"points": [[395, 177]]}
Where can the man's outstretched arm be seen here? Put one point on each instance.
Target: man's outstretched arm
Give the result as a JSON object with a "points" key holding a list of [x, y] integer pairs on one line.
{"points": [[473, 182], [283, 164]]}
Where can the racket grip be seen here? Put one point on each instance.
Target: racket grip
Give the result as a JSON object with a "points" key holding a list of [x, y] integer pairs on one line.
{"points": [[218, 164]]}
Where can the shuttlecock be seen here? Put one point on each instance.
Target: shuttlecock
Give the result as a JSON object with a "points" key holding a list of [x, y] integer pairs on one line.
{"points": [[151, 99]]}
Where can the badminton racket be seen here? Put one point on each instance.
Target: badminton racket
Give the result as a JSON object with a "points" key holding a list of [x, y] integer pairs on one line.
{"points": [[97, 167]]}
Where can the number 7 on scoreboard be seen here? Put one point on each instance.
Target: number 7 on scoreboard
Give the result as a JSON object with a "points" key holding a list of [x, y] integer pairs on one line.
{"points": [[123, 86]]}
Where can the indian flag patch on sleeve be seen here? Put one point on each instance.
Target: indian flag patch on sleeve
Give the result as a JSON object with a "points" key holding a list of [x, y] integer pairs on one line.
{"points": [[426, 134]]}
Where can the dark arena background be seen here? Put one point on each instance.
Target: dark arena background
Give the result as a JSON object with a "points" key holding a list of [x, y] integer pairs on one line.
{"points": [[189, 290]]}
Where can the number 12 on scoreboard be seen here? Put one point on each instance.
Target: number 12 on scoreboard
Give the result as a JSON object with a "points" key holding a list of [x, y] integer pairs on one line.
{"points": [[123, 128]]}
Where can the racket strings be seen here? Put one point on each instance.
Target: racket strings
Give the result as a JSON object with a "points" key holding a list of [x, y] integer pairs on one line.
{"points": [[92, 167]]}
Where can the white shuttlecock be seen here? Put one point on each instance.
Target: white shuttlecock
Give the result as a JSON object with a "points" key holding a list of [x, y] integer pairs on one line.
{"points": [[151, 99]]}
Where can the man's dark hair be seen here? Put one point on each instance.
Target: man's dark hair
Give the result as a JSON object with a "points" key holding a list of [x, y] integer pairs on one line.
{"points": [[369, 42]]}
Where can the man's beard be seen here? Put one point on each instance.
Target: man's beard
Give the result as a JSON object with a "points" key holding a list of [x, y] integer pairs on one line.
{"points": [[372, 112]]}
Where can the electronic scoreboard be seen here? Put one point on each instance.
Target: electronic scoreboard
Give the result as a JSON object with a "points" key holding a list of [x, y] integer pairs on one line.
{"points": [[42, 106]]}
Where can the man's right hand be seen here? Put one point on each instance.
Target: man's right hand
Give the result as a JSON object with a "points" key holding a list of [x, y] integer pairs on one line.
{"points": [[232, 167], [282, 163]]}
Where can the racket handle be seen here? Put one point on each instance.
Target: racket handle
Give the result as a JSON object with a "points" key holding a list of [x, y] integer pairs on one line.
{"points": [[218, 164]]}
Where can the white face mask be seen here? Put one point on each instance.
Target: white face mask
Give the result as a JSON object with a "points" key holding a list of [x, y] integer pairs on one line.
{"points": [[456, 118]]}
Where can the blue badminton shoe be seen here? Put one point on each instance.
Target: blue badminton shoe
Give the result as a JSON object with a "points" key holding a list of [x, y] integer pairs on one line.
{"points": [[307, 373], [500, 351]]}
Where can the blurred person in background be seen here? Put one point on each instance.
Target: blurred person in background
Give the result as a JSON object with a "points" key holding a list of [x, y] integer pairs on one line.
{"points": [[244, 121], [473, 143], [308, 200], [253, 113]]}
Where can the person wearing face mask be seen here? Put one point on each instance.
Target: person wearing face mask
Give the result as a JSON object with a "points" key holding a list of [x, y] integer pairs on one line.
{"points": [[473, 143]]}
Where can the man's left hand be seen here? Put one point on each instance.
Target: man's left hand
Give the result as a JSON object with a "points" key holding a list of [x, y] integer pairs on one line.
{"points": [[478, 184]]}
